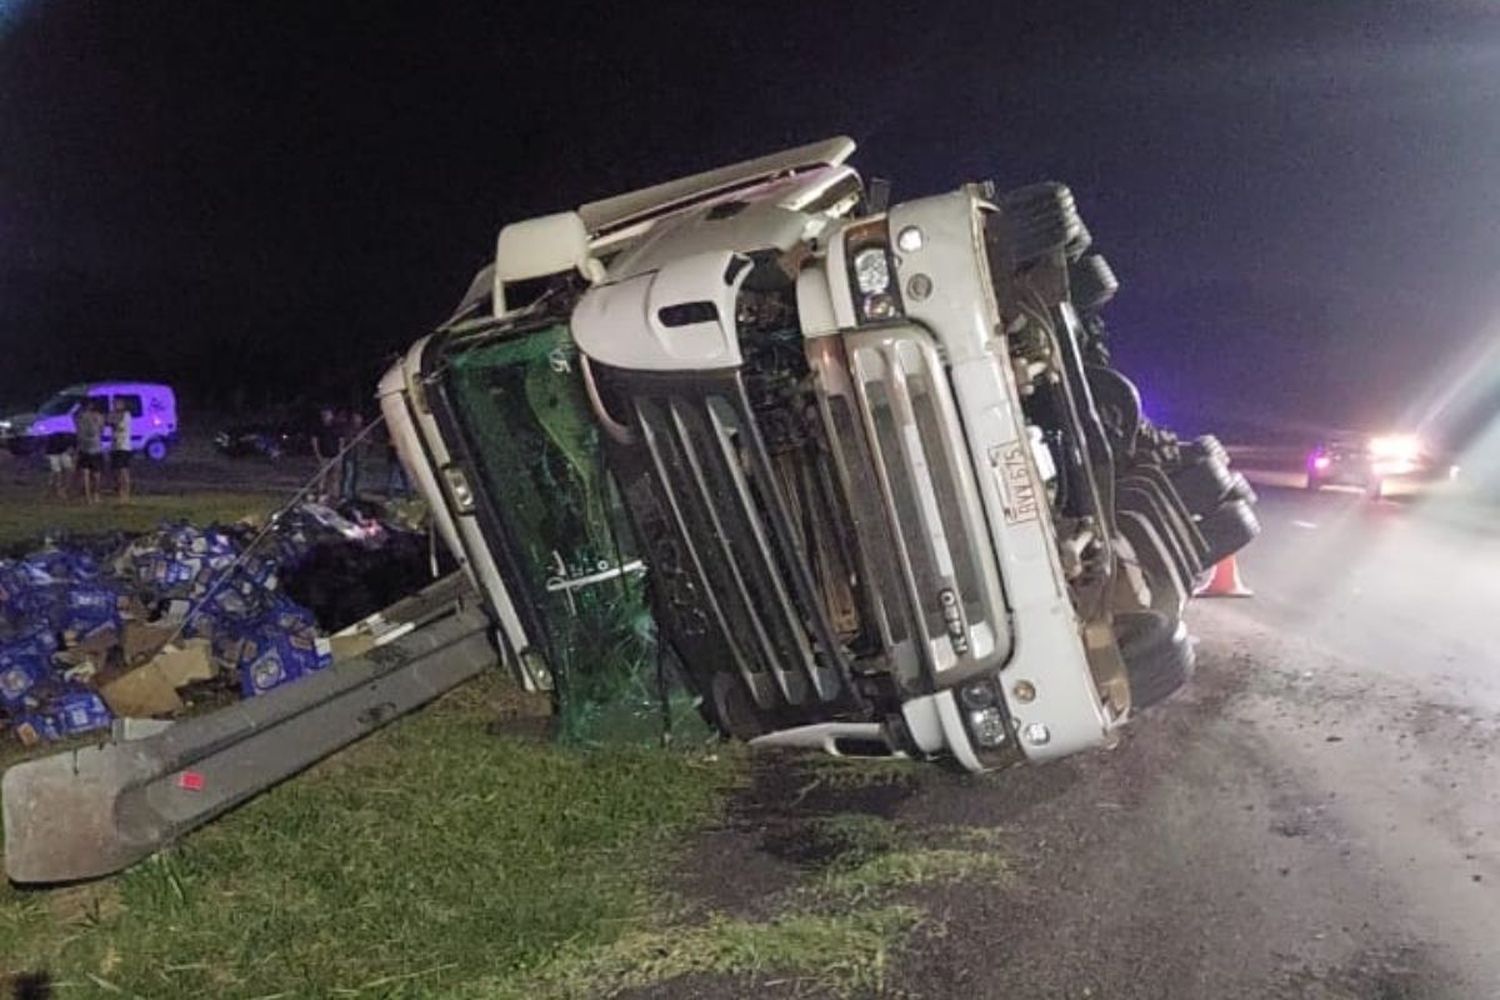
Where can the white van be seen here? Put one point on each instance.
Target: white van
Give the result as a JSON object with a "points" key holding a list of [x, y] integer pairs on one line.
{"points": [[152, 407]]}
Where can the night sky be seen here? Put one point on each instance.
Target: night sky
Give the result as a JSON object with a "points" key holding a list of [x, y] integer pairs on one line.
{"points": [[263, 201]]}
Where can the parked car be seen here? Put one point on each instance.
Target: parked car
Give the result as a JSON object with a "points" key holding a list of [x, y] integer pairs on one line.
{"points": [[1375, 463], [152, 407], [265, 439], [866, 478]]}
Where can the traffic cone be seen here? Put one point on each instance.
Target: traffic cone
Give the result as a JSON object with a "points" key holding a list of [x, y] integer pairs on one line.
{"points": [[1226, 581]]}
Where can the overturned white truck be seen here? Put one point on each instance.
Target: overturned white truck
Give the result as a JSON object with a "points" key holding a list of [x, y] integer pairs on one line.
{"points": [[864, 478]]}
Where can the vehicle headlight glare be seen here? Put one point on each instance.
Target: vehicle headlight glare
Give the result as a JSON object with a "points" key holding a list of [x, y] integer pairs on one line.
{"points": [[872, 270], [1397, 447]]}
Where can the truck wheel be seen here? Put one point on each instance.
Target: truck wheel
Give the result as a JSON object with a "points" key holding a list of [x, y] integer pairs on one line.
{"points": [[1203, 447], [1376, 489], [156, 449], [1158, 655], [1040, 219], [1228, 529], [1079, 244], [1203, 484], [1314, 483], [1093, 283]]}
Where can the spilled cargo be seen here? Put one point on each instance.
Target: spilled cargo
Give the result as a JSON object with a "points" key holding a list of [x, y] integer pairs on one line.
{"points": [[88, 635]]}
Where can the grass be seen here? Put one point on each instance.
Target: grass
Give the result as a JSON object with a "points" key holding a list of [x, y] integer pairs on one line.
{"points": [[438, 859], [837, 954], [25, 521], [837, 932], [431, 855], [867, 857]]}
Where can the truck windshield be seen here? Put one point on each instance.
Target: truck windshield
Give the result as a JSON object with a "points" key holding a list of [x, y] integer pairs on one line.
{"points": [[523, 410], [63, 403]]}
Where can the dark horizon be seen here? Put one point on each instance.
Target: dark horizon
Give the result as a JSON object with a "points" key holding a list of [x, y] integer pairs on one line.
{"points": [[272, 199]]}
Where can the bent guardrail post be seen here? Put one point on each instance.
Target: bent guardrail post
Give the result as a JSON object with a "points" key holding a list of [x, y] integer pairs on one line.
{"points": [[91, 811]]}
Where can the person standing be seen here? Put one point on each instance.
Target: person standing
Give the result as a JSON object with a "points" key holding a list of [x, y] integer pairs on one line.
{"points": [[120, 453], [353, 425], [325, 442], [60, 448], [89, 425]]}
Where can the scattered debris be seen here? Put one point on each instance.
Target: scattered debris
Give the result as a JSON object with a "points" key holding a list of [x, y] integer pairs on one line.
{"points": [[87, 636]]}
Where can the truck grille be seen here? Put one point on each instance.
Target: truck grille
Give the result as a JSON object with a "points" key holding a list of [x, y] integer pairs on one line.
{"points": [[737, 552], [926, 477]]}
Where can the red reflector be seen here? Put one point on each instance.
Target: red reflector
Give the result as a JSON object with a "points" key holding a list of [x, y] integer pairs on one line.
{"points": [[191, 781]]}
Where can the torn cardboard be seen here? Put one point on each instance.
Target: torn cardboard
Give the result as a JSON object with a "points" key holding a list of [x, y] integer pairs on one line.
{"points": [[186, 661], [141, 640], [144, 691]]}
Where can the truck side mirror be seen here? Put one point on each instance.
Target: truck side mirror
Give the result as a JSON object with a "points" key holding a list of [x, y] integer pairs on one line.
{"points": [[536, 248]]}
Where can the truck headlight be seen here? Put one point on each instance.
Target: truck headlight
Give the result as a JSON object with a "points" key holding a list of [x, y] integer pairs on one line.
{"points": [[985, 716], [988, 726], [872, 270], [977, 695], [872, 276]]}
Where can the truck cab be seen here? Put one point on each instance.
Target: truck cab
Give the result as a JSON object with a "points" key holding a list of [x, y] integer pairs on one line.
{"points": [[863, 476]]}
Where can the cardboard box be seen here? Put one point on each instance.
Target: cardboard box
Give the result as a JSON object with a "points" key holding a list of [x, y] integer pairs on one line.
{"points": [[141, 692], [186, 661], [142, 640]]}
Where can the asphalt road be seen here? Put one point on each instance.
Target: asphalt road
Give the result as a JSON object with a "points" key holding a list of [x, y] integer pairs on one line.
{"points": [[1316, 816], [1373, 637], [1319, 815]]}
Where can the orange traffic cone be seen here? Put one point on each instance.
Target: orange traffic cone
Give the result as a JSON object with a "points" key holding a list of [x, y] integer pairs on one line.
{"points": [[1226, 581]]}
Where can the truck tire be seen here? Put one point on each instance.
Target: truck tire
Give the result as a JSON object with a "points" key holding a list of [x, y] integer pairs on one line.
{"points": [[1203, 484], [1040, 219], [1204, 447], [1158, 655], [1093, 283], [156, 449], [1079, 243], [1227, 530]]}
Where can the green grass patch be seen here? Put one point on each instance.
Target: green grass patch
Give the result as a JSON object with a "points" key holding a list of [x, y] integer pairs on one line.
{"points": [[866, 856], [836, 954], [906, 867], [429, 856], [837, 933], [875, 772], [27, 521]]}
